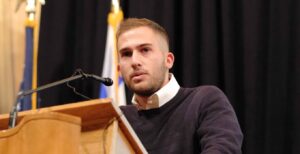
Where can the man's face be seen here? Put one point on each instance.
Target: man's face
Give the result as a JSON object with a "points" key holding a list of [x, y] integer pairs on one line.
{"points": [[144, 60]]}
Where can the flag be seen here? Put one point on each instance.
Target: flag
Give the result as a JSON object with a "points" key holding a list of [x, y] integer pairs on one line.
{"points": [[117, 90], [25, 103], [29, 81]]}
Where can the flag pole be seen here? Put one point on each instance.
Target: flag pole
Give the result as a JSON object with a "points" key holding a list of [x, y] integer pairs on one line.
{"points": [[114, 19]]}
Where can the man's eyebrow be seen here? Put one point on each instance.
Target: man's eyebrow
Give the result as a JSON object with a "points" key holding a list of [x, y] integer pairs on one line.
{"points": [[145, 44], [139, 46], [123, 49]]}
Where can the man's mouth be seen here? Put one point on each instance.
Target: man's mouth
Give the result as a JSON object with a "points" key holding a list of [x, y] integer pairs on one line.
{"points": [[137, 75]]}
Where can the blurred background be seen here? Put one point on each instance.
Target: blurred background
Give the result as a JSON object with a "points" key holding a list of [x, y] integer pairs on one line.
{"points": [[250, 49]]}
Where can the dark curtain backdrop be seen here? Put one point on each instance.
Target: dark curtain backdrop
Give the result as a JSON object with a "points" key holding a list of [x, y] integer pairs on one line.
{"points": [[250, 49]]}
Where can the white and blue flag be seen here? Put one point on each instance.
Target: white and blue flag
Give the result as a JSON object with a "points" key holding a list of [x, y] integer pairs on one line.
{"points": [[110, 67]]}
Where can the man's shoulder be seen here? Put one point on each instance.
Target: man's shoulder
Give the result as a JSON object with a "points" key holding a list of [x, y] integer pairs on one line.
{"points": [[204, 96]]}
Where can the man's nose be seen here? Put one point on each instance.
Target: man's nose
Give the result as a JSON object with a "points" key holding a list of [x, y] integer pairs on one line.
{"points": [[136, 59]]}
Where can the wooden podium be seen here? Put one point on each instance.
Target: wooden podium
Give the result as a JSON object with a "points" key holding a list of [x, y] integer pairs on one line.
{"points": [[89, 127]]}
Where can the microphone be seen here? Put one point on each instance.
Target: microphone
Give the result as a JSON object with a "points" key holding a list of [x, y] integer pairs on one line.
{"points": [[105, 81], [14, 113]]}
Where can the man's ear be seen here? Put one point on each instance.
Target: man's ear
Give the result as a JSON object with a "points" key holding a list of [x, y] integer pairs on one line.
{"points": [[170, 60], [119, 70], [118, 67]]}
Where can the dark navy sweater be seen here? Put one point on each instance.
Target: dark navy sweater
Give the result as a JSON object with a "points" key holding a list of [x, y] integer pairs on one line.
{"points": [[196, 120]]}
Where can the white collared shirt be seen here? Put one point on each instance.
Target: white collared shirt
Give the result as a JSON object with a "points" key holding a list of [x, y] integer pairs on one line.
{"points": [[161, 97]]}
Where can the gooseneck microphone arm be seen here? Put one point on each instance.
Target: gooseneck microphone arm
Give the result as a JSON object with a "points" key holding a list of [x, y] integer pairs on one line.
{"points": [[14, 113]]}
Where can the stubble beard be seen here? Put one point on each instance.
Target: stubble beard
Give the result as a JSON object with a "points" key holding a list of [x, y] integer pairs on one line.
{"points": [[150, 86], [148, 89]]}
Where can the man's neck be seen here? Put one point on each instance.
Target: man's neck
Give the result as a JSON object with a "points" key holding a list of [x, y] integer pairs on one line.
{"points": [[142, 100]]}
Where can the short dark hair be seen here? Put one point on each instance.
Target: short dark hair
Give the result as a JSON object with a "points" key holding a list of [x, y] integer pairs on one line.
{"points": [[131, 23]]}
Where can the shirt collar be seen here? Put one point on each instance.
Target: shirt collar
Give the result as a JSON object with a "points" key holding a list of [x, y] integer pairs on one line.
{"points": [[161, 97]]}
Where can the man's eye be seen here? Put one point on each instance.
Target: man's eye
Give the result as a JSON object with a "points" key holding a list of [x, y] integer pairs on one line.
{"points": [[145, 49], [126, 54]]}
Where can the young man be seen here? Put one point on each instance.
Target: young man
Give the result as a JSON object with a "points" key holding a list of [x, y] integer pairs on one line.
{"points": [[166, 117]]}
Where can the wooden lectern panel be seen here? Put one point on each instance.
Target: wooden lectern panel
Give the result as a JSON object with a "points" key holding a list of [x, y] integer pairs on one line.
{"points": [[46, 133], [104, 128]]}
